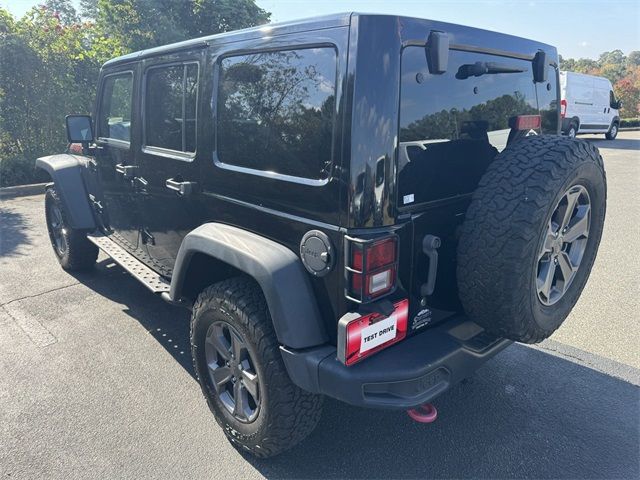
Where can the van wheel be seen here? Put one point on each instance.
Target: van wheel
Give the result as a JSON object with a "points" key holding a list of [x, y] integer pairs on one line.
{"points": [[531, 235], [573, 131], [238, 363], [612, 133], [73, 250]]}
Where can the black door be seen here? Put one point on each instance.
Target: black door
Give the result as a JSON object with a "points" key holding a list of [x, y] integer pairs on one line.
{"points": [[114, 159], [168, 180]]}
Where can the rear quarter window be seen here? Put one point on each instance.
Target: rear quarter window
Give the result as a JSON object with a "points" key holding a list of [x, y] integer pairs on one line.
{"points": [[275, 112], [452, 125]]}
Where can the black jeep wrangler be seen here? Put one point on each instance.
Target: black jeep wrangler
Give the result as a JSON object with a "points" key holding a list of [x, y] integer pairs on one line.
{"points": [[367, 207]]}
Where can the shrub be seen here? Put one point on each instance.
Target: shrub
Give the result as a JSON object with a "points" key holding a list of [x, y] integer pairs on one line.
{"points": [[630, 122], [20, 171]]}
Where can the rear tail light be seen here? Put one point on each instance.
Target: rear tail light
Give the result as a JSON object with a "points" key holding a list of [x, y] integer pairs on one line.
{"points": [[527, 122], [362, 336], [371, 267], [563, 108]]}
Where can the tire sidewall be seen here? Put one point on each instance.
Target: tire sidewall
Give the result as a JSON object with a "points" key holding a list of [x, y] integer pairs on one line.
{"points": [[215, 310], [50, 200], [589, 175], [572, 128]]}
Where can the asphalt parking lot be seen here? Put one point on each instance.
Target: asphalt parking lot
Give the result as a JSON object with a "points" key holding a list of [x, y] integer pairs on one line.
{"points": [[96, 380]]}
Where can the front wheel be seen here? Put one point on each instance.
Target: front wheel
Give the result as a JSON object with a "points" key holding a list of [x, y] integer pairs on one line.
{"points": [[612, 133], [73, 250], [240, 369]]}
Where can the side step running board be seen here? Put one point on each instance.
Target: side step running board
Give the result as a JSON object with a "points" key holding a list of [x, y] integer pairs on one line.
{"points": [[150, 279]]}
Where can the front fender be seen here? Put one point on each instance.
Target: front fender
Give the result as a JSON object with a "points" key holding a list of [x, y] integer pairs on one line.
{"points": [[66, 172], [278, 271]]}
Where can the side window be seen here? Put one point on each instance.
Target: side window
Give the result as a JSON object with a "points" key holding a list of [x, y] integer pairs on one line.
{"points": [[459, 120], [612, 100], [115, 107], [276, 111], [170, 107]]}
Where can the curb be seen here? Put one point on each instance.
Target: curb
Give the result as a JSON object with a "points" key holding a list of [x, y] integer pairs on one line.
{"points": [[22, 190], [628, 129]]}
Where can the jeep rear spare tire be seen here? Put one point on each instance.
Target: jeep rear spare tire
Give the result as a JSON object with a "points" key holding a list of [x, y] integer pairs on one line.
{"points": [[531, 235]]}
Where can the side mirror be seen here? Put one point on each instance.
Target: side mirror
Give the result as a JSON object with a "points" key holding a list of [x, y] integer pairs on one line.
{"points": [[79, 129]]}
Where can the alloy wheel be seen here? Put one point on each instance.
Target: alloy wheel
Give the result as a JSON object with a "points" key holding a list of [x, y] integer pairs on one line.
{"points": [[232, 371], [564, 245], [57, 229]]}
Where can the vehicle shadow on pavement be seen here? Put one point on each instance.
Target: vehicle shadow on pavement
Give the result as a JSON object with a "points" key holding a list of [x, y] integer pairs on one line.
{"points": [[525, 414], [168, 324], [617, 144], [13, 232]]}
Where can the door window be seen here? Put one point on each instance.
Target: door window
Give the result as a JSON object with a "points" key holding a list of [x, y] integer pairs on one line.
{"points": [[170, 107], [115, 107], [612, 100], [276, 112]]}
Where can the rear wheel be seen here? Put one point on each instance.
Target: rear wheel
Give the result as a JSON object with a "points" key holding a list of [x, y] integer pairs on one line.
{"points": [[612, 133], [240, 369], [573, 130], [73, 250], [531, 235]]}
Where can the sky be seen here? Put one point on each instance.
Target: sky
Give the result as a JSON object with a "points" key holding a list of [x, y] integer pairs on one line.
{"points": [[578, 28]]}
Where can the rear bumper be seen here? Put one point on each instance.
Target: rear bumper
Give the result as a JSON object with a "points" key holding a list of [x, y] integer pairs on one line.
{"points": [[403, 376]]}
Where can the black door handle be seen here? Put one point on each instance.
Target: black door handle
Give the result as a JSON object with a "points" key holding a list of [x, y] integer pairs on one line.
{"points": [[183, 188]]}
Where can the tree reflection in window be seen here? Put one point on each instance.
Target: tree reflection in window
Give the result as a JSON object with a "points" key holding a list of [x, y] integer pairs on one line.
{"points": [[276, 111]]}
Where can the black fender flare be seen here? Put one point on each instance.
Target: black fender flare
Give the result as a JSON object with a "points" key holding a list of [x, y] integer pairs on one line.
{"points": [[66, 171], [278, 271]]}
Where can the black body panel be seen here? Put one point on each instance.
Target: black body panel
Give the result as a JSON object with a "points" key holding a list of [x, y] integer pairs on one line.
{"points": [[277, 270]]}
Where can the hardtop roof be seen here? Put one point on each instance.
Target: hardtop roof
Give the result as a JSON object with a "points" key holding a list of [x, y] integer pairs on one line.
{"points": [[316, 23], [279, 28]]}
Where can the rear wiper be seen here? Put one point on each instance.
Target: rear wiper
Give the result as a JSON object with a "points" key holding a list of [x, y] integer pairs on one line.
{"points": [[483, 68]]}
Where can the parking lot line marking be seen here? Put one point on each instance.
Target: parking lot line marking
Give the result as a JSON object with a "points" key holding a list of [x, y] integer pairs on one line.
{"points": [[33, 329]]}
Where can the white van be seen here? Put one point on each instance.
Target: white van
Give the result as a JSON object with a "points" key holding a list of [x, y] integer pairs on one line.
{"points": [[588, 105]]}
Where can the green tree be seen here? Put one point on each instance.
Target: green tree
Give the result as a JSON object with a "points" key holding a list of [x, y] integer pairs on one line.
{"points": [[141, 24], [50, 59]]}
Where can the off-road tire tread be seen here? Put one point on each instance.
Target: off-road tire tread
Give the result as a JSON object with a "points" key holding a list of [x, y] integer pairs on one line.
{"points": [[502, 228], [81, 254], [293, 413]]}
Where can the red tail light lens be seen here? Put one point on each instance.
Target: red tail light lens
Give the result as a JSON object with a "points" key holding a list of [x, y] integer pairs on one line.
{"points": [[372, 268], [360, 337], [527, 122], [563, 108]]}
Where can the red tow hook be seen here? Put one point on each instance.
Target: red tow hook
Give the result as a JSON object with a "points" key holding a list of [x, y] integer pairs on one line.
{"points": [[425, 413]]}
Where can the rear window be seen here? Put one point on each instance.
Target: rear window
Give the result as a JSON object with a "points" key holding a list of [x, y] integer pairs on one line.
{"points": [[275, 112], [452, 125]]}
